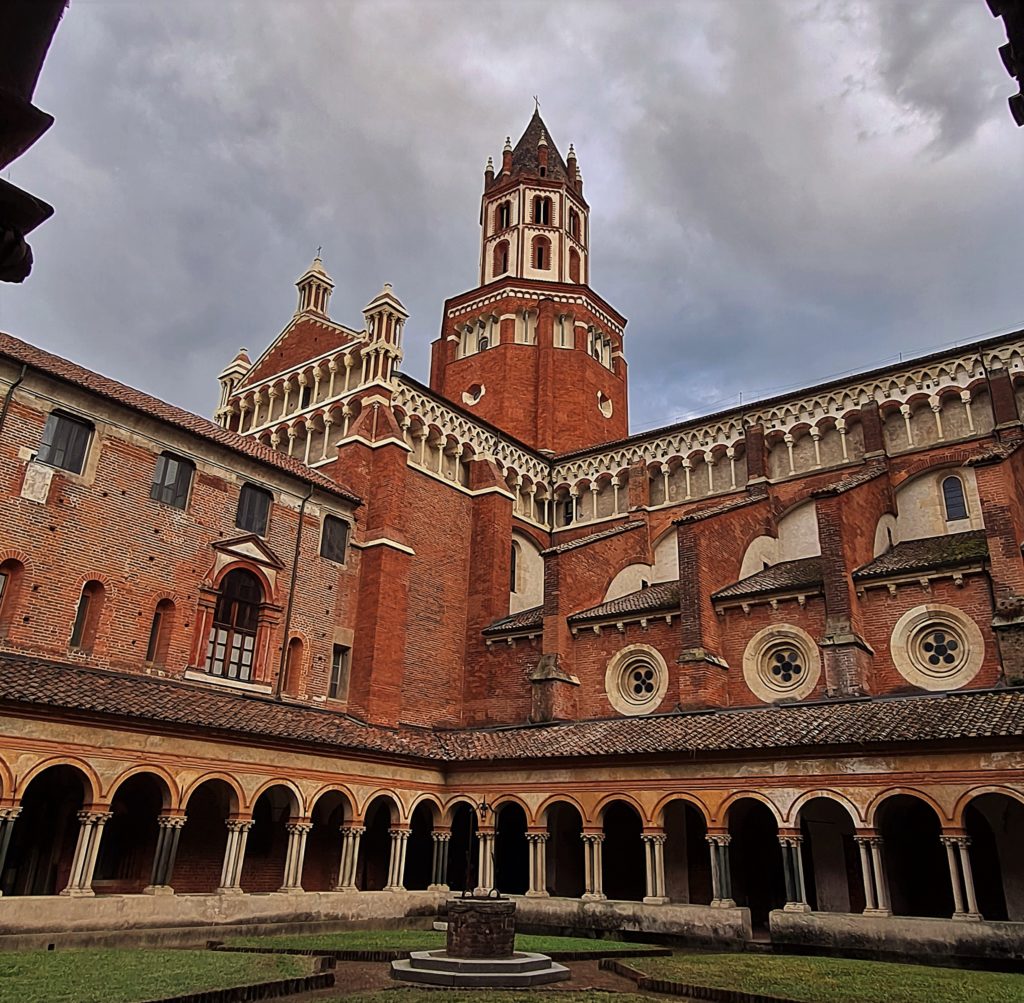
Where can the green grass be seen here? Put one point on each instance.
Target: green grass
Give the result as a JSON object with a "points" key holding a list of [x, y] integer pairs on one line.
{"points": [[836, 980], [414, 940], [500, 996], [102, 976]]}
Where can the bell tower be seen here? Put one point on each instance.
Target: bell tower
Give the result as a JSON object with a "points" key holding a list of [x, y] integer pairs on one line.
{"points": [[532, 349]]}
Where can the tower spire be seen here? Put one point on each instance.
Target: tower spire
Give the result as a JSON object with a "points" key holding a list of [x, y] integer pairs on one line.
{"points": [[315, 287]]}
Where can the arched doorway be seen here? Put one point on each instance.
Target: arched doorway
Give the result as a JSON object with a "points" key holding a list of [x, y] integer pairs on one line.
{"points": [[755, 859], [995, 825], [45, 834], [375, 853], [565, 850], [831, 859], [323, 844], [462, 862], [623, 870], [419, 856], [201, 848], [914, 858], [687, 858], [511, 851], [267, 846], [125, 861]]}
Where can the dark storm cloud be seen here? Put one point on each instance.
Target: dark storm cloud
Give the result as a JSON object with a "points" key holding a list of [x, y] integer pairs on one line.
{"points": [[781, 191]]}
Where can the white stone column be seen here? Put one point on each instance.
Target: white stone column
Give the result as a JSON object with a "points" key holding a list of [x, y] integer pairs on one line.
{"points": [[328, 422], [867, 872], [295, 855], [593, 866], [538, 844], [309, 440], [439, 867], [168, 835], [654, 857], [8, 816], [792, 862], [485, 863], [876, 888], [83, 864], [961, 878], [721, 877], [351, 836], [396, 864], [234, 856]]}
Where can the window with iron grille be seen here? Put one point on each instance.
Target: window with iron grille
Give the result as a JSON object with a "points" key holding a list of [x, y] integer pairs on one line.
{"points": [[172, 477], [334, 541], [253, 509], [65, 442]]}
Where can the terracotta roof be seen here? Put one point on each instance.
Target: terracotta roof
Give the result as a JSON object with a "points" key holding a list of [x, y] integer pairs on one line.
{"points": [[924, 555], [583, 541], [856, 723], [69, 372], [920, 718], [654, 598], [786, 576], [850, 481], [755, 496], [523, 620], [524, 155], [1000, 451]]}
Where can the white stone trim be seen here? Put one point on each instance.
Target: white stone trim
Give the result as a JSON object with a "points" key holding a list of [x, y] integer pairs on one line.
{"points": [[909, 659], [756, 668], [615, 681], [383, 541], [231, 684]]}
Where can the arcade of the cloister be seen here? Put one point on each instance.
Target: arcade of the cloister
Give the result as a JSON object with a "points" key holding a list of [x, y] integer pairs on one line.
{"points": [[948, 848]]}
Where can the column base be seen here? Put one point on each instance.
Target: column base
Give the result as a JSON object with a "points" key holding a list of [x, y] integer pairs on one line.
{"points": [[537, 895], [291, 889], [394, 888], [877, 912], [723, 903], [593, 896], [78, 893], [225, 890], [655, 900], [344, 888], [438, 888], [968, 917], [796, 907], [158, 890]]}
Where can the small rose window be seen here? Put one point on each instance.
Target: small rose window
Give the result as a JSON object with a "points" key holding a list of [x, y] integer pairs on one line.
{"points": [[785, 665], [636, 680], [941, 648]]}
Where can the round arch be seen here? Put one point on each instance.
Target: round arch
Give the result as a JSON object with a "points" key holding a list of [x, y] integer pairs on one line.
{"points": [[298, 802], [554, 799], [91, 777], [387, 794], [658, 814], [976, 792], [793, 815], [722, 816], [451, 806], [334, 788], [504, 799], [871, 815], [236, 799], [608, 799], [172, 796]]}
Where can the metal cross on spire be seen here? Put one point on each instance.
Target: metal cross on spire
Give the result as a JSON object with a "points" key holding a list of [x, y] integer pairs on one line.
{"points": [[536, 103], [319, 248]]}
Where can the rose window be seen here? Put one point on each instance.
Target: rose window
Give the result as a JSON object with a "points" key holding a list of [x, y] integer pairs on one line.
{"points": [[642, 681], [786, 665], [940, 649], [636, 680], [783, 666]]}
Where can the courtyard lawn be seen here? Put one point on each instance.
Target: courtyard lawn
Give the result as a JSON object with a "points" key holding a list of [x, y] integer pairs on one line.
{"points": [[497, 996], [835, 980], [128, 976], [417, 940]]}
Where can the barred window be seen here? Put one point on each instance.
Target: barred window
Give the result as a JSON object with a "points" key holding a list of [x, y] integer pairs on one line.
{"points": [[65, 442], [172, 477]]}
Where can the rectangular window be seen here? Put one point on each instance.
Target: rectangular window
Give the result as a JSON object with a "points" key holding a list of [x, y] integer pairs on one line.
{"points": [[253, 509], [172, 478], [334, 541], [338, 687], [65, 441]]}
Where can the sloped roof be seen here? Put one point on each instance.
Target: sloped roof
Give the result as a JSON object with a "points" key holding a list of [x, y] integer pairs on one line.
{"points": [[927, 554], [524, 154], [604, 534], [787, 576], [69, 372], [523, 620], [42, 683], [653, 599]]}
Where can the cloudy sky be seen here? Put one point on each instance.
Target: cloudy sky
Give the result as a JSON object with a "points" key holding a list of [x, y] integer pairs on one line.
{"points": [[782, 190]]}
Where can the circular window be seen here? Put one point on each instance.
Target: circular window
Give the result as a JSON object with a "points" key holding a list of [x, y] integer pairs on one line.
{"points": [[937, 647], [781, 663], [636, 680]]}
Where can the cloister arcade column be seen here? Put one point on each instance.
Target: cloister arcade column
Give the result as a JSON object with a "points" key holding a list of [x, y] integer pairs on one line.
{"points": [[83, 863], [439, 862], [234, 856], [721, 875], [537, 840], [169, 835], [593, 866], [396, 869], [351, 836], [654, 858]]}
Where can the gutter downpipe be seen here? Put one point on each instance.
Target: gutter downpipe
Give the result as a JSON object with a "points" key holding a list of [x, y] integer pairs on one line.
{"points": [[10, 393], [291, 597]]}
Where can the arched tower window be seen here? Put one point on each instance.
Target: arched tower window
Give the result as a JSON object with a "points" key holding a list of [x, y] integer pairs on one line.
{"points": [[542, 210], [501, 258], [541, 253], [513, 569], [160, 632], [87, 616], [574, 265], [11, 576], [232, 647], [574, 223], [954, 500], [504, 215], [293, 667]]}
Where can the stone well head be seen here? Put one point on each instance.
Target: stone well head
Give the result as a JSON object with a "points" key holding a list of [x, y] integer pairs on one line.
{"points": [[481, 928]]}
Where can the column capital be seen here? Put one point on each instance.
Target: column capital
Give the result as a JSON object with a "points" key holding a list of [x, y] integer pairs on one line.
{"points": [[293, 827], [10, 814], [352, 830], [871, 839], [239, 824], [171, 821], [955, 839], [658, 838], [592, 837], [89, 817], [719, 838], [538, 837], [398, 832], [443, 837]]}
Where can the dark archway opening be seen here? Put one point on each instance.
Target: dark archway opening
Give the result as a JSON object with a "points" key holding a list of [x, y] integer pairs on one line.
{"points": [[203, 839], [755, 860], [267, 846], [995, 825], [375, 852], [565, 851], [511, 851], [125, 861], [914, 858], [623, 871], [687, 858], [419, 855], [462, 863], [45, 833], [831, 859], [323, 845]]}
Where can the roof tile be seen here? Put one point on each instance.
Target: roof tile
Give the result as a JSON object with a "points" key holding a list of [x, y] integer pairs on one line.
{"points": [[924, 555]]}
